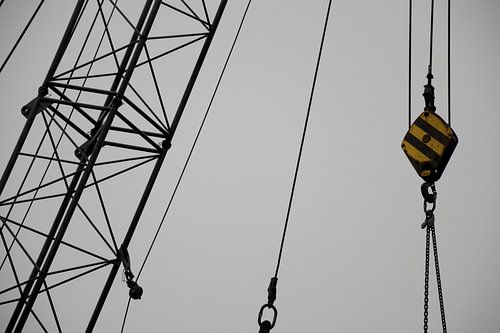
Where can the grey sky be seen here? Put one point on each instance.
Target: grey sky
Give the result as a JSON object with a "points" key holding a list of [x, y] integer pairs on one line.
{"points": [[354, 253]]}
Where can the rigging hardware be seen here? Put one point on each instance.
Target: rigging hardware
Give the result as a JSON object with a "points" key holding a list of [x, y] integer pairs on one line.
{"points": [[430, 141], [186, 163], [135, 291], [429, 226], [429, 144], [266, 325]]}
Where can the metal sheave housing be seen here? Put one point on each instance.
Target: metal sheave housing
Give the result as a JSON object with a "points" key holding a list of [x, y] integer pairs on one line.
{"points": [[429, 144]]}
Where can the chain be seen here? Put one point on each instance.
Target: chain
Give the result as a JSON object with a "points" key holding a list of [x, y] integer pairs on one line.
{"points": [[430, 198], [438, 279], [426, 285]]}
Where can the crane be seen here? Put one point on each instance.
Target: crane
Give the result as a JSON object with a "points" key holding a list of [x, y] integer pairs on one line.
{"points": [[89, 125]]}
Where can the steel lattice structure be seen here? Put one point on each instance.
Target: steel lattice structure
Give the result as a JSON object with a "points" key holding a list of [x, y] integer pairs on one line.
{"points": [[93, 130]]}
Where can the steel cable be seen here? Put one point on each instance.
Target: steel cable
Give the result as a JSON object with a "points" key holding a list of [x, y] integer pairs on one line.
{"points": [[22, 35], [431, 37], [265, 326], [303, 138], [449, 62], [167, 209], [410, 23]]}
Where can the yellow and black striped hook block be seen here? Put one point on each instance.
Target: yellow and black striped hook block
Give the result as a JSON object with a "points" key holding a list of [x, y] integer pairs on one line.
{"points": [[429, 144]]}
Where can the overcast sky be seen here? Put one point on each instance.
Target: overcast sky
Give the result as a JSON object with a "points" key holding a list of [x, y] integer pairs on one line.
{"points": [[354, 254]]}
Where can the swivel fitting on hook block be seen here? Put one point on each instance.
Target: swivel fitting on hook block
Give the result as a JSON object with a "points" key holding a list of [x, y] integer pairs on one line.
{"points": [[135, 291], [265, 326], [429, 192], [429, 93]]}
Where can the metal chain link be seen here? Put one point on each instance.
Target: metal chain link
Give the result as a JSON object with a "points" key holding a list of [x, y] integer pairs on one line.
{"points": [[438, 279], [430, 230], [426, 284]]}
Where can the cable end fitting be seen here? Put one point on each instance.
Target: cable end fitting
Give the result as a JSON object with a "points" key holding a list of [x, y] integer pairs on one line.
{"points": [[135, 291], [429, 92], [267, 325], [429, 97], [272, 290]]}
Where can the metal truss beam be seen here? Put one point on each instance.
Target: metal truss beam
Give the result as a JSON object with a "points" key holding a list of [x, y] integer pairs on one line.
{"points": [[85, 127]]}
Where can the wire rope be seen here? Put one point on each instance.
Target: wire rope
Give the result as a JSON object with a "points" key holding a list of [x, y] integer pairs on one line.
{"points": [[304, 131], [410, 23], [22, 34], [431, 37], [167, 209], [449, 62], [126, 314]]}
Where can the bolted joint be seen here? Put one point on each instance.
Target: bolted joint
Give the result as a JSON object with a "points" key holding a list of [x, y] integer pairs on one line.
{"points": [[43, 91], [27, 109], [116, 102], [84, 151], [167, 143]]}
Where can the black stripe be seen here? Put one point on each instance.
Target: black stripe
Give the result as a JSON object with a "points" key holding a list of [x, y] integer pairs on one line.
{"points": [[434, 132], [421, 147]]}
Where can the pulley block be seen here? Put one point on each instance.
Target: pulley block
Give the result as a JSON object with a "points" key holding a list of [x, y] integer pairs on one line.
{"points": [[429, 144]]}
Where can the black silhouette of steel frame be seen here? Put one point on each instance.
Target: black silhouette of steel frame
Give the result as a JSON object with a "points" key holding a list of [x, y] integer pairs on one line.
{"points": [[88, 127]]}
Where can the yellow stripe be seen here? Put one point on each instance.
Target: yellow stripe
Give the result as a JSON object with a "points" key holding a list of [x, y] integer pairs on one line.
{"points": [[433, 143], [414, 152], [437, 122]]}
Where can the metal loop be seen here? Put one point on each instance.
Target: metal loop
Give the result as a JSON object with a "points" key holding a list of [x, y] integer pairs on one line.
{"points": [[429, 220], [261, 313], [429, 197], [431, 210]]}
